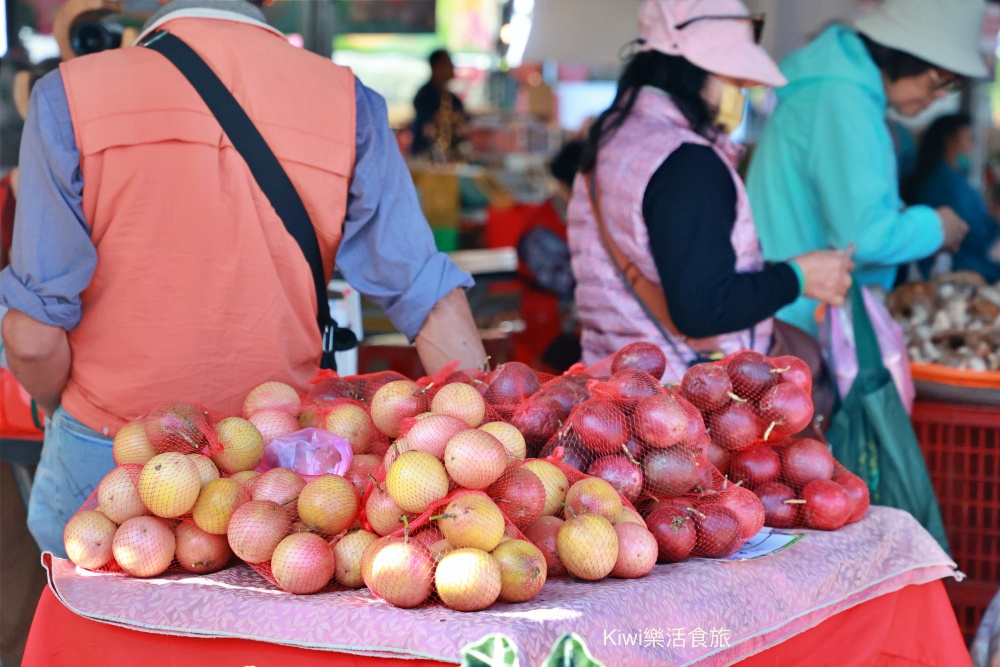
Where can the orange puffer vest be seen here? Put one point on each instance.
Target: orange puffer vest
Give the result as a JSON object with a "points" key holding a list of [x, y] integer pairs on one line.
{"points": [[200, 293]]}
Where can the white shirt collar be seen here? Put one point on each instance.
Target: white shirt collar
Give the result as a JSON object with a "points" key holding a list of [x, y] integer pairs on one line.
{"points": [[205, 13]]}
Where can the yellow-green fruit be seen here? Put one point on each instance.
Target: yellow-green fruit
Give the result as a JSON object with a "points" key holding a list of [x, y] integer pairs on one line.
{"points": [[169, 484], [242, 445], [522, 570], [206, 469], [329, 504], [472, 520], [131, 445], [415, 480], [508, 435], [348, 550], [588, 546], [468, 579], [555, 483], [216, 503]]}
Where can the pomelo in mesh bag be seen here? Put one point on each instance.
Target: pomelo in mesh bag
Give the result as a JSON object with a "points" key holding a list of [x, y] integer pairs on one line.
{"points": [[169, 484], [472, 520], [461, 401], [256, 528], [543, 533], [508, 435], [637, 551], [520, 495], [555, 483], [328, 505], [475, 459], [395, 402], [88, 538], [177, 427], [348, 552], [131, 444], [118, 495], [415, 480], [276, 396], [274, 424], [468, 579], [241, 446], [522, 570], [398, 570], [216, 503], [144, 546], [640, 356], [303, 563], [200, 552], [352, 422], [206, 469], [588, 546]]}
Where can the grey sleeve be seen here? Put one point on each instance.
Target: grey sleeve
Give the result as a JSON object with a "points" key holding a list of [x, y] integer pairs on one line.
{"points": [[387, 252], [52, 256]]}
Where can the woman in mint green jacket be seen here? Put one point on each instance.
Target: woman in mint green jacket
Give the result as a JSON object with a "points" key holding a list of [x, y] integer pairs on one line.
{"points": [[824, 172]]}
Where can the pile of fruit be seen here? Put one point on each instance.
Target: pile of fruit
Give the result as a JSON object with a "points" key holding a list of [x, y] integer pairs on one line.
{"points": [[468, 488]]}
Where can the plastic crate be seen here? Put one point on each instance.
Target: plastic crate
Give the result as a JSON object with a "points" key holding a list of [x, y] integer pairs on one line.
{"points": [[969, 599], [961, 444]]}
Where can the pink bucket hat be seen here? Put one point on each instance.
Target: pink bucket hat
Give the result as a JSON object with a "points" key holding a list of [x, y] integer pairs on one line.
{"points": [[720, 36]]}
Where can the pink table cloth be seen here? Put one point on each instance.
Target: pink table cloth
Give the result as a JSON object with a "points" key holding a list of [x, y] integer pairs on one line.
{"points": [[700, 612]]}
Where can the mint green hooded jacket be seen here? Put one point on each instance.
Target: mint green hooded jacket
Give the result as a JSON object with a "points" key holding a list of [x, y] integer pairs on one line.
{"points": [[824, 173]]}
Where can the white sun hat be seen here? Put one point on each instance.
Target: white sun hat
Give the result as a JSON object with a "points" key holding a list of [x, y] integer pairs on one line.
{"points": [[945, 33]]}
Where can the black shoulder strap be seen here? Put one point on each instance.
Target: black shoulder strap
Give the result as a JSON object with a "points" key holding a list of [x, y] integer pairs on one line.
{"points": [[264, 166]]}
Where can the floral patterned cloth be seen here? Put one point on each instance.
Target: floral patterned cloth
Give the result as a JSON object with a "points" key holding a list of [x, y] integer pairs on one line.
{"points": [[699, 612]]}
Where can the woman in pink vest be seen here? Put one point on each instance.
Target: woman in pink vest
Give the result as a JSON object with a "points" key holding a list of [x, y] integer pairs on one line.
{"points": [[673, 213]]}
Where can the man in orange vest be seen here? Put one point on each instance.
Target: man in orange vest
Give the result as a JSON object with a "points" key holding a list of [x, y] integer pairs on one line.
{"points": [[147, 264]]}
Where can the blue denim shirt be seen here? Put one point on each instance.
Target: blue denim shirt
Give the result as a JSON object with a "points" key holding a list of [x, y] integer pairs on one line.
{"points": [[387, 252]]}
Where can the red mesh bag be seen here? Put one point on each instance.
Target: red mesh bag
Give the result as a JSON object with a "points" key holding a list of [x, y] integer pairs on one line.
{"points": [[801, 485]]}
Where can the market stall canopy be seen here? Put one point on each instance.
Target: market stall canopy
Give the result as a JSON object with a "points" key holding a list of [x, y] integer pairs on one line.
{"points": [[585, 32]]}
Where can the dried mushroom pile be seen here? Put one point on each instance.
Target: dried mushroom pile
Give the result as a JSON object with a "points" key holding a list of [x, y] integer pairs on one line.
{"points": [[953, 320]]}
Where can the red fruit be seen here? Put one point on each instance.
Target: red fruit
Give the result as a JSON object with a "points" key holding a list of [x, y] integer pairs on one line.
{"points": [[857, 491], [641, 356], [786, 409], [661, 421], [670, 472], [735, 428], [805, 460], [674, 532], [537, 419], [719, 531], [708, 479], [176, 427], [510, 384], [520, 495], [778, 513], [628, 385], [331, 389], [636, 449], [366, 386], [600, 426], [794, 370], [751, 373], [574, 453], [566, 393], [718, 457], [707, 386], [542, 533], [827, 506], [618, 471], [746, 506], [755, 466], [679, 506]]}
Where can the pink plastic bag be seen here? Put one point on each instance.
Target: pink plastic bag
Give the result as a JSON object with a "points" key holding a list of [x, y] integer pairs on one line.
{"points": [[837, 338], [311, 451]]}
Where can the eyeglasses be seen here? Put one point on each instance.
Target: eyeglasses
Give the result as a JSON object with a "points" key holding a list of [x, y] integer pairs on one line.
{"points": [[941, 80], [756, 19]]}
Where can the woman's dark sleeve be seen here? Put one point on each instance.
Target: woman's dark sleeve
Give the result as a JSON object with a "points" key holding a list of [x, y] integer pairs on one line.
{"points": [[690, 209]]}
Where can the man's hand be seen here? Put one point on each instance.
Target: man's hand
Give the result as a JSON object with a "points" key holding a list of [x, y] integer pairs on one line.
{"points": [[450, 333], [954, 228], [39, 357], [827, 275]]}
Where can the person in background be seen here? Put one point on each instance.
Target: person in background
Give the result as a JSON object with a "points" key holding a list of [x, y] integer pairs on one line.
{"points": [[148, 266], [666, 187], [941, 178], [824, 174], [440, 114]]}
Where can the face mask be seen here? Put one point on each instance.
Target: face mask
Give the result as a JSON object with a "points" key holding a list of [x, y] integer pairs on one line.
{"points": [[731, 107], [964, 163]]}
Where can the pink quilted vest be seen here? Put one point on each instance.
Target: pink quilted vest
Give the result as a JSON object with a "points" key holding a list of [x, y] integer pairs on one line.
{"points": [[610, 317]]}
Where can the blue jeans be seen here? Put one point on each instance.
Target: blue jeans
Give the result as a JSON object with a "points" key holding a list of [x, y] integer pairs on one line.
{"points": [[74, 460]]}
